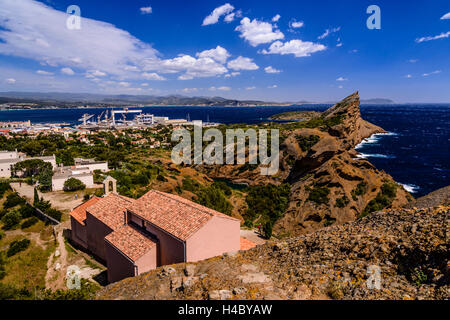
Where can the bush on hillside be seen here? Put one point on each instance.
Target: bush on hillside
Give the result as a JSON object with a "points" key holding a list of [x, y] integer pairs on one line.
{"points": [[11, 219], [17, 246], [73, 184]]}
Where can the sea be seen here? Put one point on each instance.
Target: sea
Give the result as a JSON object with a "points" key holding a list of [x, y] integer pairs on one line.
{"points": [[415, 151]]}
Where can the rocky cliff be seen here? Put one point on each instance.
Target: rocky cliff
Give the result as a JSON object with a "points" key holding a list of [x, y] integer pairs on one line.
{"points": [[408, 249], [329, 183]]}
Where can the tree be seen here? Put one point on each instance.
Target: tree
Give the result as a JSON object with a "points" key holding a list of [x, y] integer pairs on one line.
{"points": [[73, 184], [36, 197], [267, 229]]}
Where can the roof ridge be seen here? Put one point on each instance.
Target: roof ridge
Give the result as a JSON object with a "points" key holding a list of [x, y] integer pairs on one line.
{"points": [[189, 203]]}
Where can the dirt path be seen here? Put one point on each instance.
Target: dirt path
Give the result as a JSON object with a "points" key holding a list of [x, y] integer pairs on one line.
{"points": [[57, 262], [253, 236]]}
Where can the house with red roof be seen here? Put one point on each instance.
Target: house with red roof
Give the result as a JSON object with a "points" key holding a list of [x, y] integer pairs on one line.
{"points": [[133, 236]]}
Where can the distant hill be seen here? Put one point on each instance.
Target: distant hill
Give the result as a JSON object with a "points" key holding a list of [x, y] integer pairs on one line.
{"points": [[49, 98], [377, 101]]}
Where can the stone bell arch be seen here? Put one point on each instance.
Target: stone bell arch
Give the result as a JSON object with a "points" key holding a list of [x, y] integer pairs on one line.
{"points": [[110, 185]]}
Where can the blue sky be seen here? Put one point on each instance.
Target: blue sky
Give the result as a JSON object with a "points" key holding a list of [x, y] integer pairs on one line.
{"points": [[277, 50]]}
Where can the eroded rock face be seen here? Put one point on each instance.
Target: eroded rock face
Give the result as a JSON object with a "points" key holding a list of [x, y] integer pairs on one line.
{"points": [[409, 248], [322, 159]]}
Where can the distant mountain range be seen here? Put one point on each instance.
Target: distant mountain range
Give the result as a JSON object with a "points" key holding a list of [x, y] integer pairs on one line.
{"points": [[51, 98], [60, 99]]}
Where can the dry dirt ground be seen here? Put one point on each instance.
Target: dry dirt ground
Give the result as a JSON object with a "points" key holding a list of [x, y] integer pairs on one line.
{"points": [[64, 201], [64, 255], [252, 235]]}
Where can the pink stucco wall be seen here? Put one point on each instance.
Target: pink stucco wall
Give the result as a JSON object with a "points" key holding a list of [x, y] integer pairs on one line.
{"points": [[170, 249], [119, 267], [96, 233], [148, 261], [217, 236], [78, 233]]}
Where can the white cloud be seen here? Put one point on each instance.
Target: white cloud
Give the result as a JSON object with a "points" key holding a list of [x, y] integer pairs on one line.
{"points": [[408, 76], [213, 18], [340, 87], [144, 84], [445, 16], [250, 88], [339, 44], [224, 88], [193, 67], [229, 17], [146, 10], [328, 32], [241, 63], [430, 38], [153, 76], [431, 73], [270, 69], [67, 71], [10, 81], [341, 79], [44, 73], [97, 45], [219, 54], [189, 90], [298, 48], [276, 18], [296, 24], [258, 32], [413, 60], [124, 84], [95, 73], [273, 87]]}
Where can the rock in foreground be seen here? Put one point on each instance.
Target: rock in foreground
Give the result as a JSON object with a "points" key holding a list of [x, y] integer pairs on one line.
{"points": [[409, 247]]}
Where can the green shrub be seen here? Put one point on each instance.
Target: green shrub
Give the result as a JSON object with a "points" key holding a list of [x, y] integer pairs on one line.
{"points": [[9, 292], [383, 199], [29, 222], [13, 200], [17, 246], [73, 184], [319, 195], [191, 185], [11, 219], [268, 201], [4, 186], [214, 198], [161, 178], [55, 214], [342, 202], [267, 229], [306, 143], [26, 211], [360, 189]]}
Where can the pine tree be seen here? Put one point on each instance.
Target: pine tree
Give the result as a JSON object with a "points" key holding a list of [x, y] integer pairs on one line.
{"points": [[36, 197]]}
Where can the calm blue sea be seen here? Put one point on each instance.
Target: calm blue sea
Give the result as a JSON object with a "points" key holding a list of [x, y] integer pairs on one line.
{"points": [[416, 151]]}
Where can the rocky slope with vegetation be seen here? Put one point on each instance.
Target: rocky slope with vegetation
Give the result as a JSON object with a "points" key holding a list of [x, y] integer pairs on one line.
{"points": [[328, 182], [409, 249]]}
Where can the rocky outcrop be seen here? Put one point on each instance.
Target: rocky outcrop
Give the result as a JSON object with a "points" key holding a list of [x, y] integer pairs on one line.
{"points": [[396, 254], [433, 199], [329, 183]]}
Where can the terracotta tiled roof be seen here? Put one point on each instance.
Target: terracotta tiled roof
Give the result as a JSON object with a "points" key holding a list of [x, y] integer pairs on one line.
{"points": [[79, 213], [130, 242], [247, 244], [176, 215], [110, 210]]}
